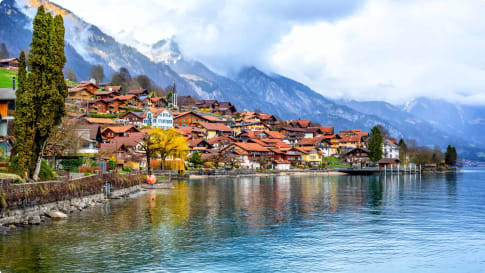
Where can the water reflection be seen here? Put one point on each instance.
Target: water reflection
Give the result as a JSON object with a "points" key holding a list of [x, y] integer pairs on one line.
{"points": [[243, 224]]}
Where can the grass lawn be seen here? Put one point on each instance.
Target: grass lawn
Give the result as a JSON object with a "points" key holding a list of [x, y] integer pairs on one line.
{"points": [[6, 78]]}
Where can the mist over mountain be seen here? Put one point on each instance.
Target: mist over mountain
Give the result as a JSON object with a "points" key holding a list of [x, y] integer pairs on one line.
{"points": [[428, 121]]}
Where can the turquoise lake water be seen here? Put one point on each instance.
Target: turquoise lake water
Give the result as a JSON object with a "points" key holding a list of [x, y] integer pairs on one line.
{"points": [[428, 223]]}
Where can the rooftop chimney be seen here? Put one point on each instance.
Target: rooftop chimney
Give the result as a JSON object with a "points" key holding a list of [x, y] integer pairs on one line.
{"points": [[13, 84]]}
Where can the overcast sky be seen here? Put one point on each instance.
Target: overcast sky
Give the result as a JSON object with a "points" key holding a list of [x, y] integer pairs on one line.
{"points": [[390, 50]]}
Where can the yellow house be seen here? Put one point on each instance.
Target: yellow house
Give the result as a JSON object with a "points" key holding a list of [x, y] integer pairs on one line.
{"points": [[310, 155], [253, 126], [212, 130]]}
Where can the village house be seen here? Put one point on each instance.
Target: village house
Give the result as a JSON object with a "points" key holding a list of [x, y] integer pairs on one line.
{"points": [[128, 101], [110, 133], [356, 157], [81, 92], [133, 118], [225, 109], [390, 148], [10, 63], [250, 126], [110, 105], [158, 102], [214, 129], [295, 134], [281, 165], [103, 122], [249, 154], [192, 119], [158, 118], [388, 162], [221, 142], [206, 105], [105, 94], [199, 145], [310, 155], [7, 108], [190, 132], [126, 150]]}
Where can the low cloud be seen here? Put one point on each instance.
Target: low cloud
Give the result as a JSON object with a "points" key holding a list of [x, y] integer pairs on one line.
{"points": [[392, 50]]}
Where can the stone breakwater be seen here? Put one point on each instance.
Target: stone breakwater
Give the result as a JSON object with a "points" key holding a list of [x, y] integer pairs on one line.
{"points": [[35, 215]]}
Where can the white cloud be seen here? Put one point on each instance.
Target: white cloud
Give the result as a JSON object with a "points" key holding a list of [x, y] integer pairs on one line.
{"points": [[392, 50], [375, 49]]}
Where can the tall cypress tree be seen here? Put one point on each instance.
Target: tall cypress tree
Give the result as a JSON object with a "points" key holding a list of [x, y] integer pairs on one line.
{"points": [[375, 144], [45, 85], [23, 122]]}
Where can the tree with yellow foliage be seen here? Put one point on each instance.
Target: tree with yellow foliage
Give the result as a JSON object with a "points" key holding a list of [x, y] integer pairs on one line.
{"points": [[164, 143]]}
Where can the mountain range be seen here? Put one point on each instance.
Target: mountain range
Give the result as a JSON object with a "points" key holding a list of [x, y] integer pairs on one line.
{"points": [[430, 122]]}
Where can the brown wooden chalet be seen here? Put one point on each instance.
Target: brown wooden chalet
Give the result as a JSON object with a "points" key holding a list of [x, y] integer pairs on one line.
{"points": [[110, 133], [10, 63]]}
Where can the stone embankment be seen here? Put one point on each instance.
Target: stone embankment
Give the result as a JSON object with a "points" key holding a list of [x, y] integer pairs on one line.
{"points": [[31, 204]]}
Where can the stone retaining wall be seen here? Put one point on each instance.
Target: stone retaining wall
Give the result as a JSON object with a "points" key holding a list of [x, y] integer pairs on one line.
{"points": [[33, 215]]}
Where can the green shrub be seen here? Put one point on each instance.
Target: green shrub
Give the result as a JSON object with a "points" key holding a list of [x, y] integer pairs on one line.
{"points": [[111, 116], [112, 164], [128, 169], [46, 172], [71, 164]]}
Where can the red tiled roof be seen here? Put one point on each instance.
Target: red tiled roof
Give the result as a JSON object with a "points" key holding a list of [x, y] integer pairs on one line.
{"points": [[275, 134], [291, 129], [215, 127], [351, 138], [255, 140], [212, 119], [220, 139], [275, 143], [327, 129], [126, 97], [251, 147], [282, 162], [194, 142], [120, 129]]}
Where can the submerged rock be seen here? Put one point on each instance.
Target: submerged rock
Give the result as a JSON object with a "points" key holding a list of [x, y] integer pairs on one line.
{"points": [[57, 215], [34, 220]]}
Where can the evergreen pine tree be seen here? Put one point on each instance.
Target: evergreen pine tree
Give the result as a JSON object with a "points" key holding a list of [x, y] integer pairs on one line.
{"points": [[375, 144], [448, 155], [454, 156]]}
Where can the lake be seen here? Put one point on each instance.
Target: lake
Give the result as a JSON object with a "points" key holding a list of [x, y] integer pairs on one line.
{"points": [[406, 223]]}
